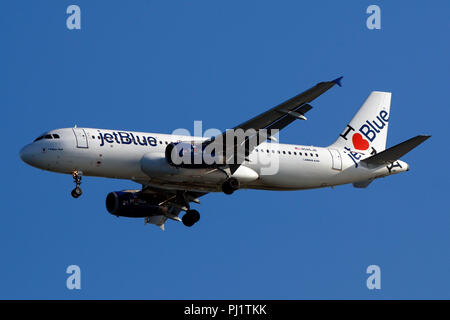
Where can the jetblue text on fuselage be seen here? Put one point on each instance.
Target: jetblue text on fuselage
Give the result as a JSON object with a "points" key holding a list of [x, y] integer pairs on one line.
{"points": [[122, 137]]}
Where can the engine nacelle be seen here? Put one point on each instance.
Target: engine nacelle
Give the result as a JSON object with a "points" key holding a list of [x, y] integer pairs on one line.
{"points": [[133, 204]]}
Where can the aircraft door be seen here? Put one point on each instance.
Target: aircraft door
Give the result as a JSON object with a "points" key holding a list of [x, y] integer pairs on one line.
{"points": [[81, 138], [336, 159]]}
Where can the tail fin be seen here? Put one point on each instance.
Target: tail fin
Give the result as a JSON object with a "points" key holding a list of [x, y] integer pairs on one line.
{"points": [[367, 132]]}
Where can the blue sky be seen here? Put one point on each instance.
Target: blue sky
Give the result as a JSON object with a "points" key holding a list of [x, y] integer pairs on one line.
{"points": [[159, 65]]}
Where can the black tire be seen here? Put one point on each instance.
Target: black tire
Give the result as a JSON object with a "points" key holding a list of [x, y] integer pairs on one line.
{"points": [[195, 215], [74, 194], [233, 183], [230, 185], [190, 218], [226, 189], [77, 192], [187, 220]]}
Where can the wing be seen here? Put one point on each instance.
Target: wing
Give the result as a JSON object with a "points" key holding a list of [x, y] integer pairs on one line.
{"points": [[276, 118], [283, 114]]}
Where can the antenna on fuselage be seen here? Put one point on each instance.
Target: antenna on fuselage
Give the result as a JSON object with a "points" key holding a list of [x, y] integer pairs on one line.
{"points": [[75, 126]]}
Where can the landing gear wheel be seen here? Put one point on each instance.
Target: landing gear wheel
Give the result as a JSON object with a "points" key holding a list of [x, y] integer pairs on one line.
{"points": [[230, 185], [77, 179], [190, 218], [76, 192]]}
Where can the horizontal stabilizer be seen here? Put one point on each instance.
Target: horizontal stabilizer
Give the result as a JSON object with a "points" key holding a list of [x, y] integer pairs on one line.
{"points": [[396, 152]]}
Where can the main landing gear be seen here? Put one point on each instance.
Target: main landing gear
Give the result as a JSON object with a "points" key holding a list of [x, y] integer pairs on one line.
{"points": [[230, 185], [191, 216], [77, 192]]}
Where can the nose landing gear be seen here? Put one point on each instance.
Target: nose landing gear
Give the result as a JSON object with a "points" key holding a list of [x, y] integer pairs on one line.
{"points": [[77, 192]]}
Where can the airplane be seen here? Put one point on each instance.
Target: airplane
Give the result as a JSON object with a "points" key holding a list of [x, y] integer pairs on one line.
{"points": [[176, 170]]}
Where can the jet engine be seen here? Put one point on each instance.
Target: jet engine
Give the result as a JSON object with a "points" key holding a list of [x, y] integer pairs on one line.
{"points": [[133, 204]]}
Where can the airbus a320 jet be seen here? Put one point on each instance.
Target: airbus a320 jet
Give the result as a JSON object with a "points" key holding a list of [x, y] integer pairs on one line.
{"points": [[176, 170]]}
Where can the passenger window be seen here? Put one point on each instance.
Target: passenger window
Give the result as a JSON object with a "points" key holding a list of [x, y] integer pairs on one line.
{"points": [[267, 150], [295, 153], [55, 136], [284, 152], [317, 155], [273, 151], [311, 155], [289, 152]]}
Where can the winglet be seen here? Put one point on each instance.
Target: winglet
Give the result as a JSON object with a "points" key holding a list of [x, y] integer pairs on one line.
{"points": [[338, 81]]}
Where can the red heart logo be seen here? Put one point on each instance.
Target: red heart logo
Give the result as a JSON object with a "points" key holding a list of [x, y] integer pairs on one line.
{"points": [[359, 142]]}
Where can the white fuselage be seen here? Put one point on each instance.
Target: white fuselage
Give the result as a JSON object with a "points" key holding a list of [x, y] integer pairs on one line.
{"points": [[139, 157]]}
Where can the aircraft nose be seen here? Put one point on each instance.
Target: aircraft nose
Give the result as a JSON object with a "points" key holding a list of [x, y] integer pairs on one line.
{"points": [[26, 154]]}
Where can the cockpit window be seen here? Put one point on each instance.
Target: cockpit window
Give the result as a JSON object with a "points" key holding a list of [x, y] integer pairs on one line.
{"points": [[47, 136]]}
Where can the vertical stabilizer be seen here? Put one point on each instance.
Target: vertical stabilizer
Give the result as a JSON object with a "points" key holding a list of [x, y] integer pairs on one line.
{"points": [[367, 132]]}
